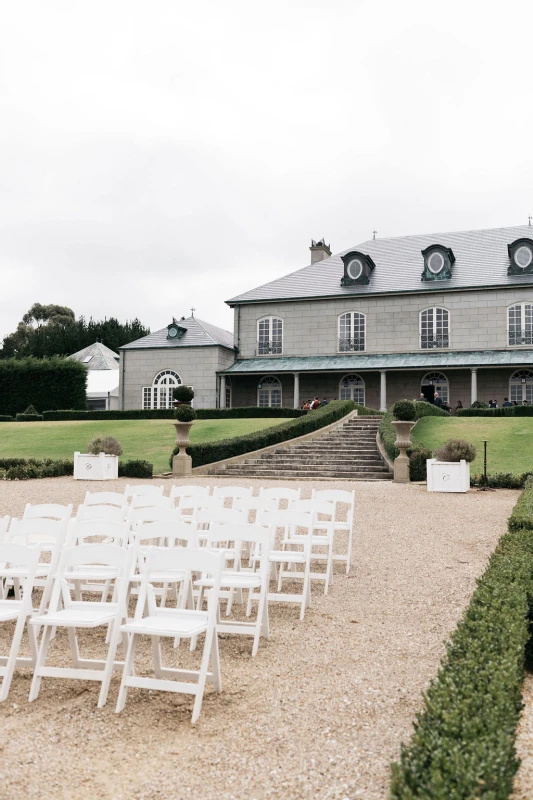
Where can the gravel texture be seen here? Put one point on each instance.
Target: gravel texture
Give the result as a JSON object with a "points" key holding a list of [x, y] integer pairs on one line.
{"points": [[322, 709], [523, 787]]}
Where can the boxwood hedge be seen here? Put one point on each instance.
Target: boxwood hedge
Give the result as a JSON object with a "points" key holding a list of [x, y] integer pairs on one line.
{"points": [[45, 383], [22, 469], [464, 741], [511, 411], [168, 413], [209, 452]]}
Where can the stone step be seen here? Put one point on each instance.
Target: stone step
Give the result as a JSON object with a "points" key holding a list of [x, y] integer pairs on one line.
{"points": [[311, 469], [274, 474]]}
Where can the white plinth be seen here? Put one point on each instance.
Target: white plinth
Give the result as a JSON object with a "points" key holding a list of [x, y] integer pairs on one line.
{"points": [[95, 468], [448, 476]]}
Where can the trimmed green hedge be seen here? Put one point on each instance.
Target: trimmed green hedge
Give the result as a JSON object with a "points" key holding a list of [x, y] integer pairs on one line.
{"points": [[46, 383], [522, 517], [5, 418], [502, 480], [464, 741], [29, 418], [209, 452], [22, 469], [168, 413], [508, 411]]}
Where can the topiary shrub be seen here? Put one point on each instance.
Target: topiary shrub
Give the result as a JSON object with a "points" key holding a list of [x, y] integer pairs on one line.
{"points": [[184, 413], [183, 394], [404, 410], [104, 444], [417, 463], [456, 450], [479, 404], [30, 415], [31, 410]]}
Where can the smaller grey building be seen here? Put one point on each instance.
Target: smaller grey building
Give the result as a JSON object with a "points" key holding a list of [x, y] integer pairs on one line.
{"points": [[102, 377], [188, 351]]}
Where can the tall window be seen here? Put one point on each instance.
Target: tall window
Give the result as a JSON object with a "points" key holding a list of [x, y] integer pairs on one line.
{"points": [[269, 336], [159, 394], [438, 383], [434, 328], [269, 392], [521, 324], [521, 387], [351, 332], [352, 387], [227, 399]]}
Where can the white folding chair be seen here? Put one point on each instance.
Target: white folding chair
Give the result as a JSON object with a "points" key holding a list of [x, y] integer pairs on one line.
{"points": [[322, 535], [83, 532], [180, 623], [47, 511], [237, 579], [340, 497], [142, 489], [181, 493], [151, 501], [233, 492], [138, 516], [4, 526], [107, 513], [20, 562], [203, 518], [279, 493], [71, 614], [291, 522], [250, 504], [104, 499], [190, 505]]}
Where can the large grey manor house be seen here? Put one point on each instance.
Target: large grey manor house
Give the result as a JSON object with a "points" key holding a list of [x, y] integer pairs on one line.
{"points": [[384, 320]]}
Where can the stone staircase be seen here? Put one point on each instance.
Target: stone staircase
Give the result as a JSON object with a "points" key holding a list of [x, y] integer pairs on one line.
{"points": [[348, 452]]}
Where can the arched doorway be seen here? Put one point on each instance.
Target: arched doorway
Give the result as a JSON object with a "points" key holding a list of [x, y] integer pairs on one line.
{"points": [[435, 382], [521, 387], [269, 392], [352, 387], [159, 394]]}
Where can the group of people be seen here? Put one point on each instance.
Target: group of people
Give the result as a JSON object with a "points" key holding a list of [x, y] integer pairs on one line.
{"points": [[437, 401], [506, 403], [310, 405]]}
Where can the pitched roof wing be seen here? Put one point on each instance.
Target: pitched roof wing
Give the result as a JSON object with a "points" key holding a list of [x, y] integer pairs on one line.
{"points": [[198, 334], [97, 356]]}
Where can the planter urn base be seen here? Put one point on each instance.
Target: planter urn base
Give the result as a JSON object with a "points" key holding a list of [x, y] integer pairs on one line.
{"points": [[182, 463], [403, 443]]}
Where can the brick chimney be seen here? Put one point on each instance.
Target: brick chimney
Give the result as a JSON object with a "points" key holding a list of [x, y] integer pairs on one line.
{"points": [[319, 251]]}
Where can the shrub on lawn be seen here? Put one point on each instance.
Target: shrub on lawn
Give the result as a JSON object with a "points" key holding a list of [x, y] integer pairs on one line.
{"points": [[104, 444], [479, 404], [184, 414], [456, 450], [46, 382], [417, 463], [209, 452], [183, 394], [463, 744], [404, 410], [135, 469], [22, 469], [168, 413], [30, 415]]}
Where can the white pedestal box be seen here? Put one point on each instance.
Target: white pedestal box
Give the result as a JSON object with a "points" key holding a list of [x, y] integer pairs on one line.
{"points": [[95, 468], [448, 476]]}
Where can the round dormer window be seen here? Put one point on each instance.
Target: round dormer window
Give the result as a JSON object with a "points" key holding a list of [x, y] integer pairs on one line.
{"points": [[355, 269], [436, 263], [172, 332], [523, 257]]}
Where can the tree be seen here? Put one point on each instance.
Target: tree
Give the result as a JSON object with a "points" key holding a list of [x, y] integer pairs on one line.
{"points": [[48, 330]]}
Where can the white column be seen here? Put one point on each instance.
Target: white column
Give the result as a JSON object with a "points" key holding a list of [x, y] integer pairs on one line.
{"points": [[473, 393], [296, 389], [222, 402], [383, 392]]}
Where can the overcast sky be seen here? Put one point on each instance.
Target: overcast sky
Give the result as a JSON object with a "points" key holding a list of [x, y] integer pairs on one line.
{"points": [[158, 154]]}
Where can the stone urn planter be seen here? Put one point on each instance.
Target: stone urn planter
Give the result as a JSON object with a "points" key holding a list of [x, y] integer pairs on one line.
{"points": [[99, 467], [181, 462], [403, 443], [448, 476]]}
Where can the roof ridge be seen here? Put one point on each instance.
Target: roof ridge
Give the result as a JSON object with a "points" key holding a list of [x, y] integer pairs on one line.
{"points": [[439, 233], [199, 322]]}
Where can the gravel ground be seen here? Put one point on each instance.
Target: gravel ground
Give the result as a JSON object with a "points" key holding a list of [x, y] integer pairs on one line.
{"points": [[523, 787], [322, 709]]}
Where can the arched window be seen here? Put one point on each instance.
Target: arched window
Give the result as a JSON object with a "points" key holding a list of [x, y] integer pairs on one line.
{"points": [[269, 336], [227, 398], [351, 332], [159, 394], [437, 382], [434, 328], [520, 318], [521, 387], [352, 387], [269, 392]]}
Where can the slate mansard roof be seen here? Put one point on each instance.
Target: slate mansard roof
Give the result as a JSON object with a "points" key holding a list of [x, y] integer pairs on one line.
{"points": [[481, 260], [97, 357], [198, 334]]}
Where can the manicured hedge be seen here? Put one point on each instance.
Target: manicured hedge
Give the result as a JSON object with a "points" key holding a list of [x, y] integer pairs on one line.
{"points": [[46, 383], [164, 413], [208, 452], [502, 480], [522, 517], [22, 469], [464, 741], [29, 418], [5, 418], [508, 411]]}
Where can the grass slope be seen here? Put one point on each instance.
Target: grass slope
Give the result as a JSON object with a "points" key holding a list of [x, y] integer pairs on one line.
{"points": [[152, 440], [509, 441]]}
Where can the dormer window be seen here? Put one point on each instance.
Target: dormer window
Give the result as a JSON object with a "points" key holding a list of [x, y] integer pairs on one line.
{"points": [[438, 263], [357, 268], [175, 331], [521, 257]]}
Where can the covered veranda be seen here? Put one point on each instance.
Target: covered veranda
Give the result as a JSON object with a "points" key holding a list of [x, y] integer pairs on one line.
{"points": [[378, 381]]}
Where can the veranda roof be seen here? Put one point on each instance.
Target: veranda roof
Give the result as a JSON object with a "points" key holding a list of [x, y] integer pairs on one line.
{"points": [[389, 361]]}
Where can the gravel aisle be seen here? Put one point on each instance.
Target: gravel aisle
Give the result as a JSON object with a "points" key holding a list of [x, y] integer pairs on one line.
{"points": [[322, 709]]}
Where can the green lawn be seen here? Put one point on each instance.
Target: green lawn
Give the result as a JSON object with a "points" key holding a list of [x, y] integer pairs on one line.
{"points": [[509, 441], [152, 439]]}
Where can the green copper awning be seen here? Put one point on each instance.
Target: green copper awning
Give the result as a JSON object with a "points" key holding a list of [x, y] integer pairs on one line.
{"points": [[431, 359]]}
